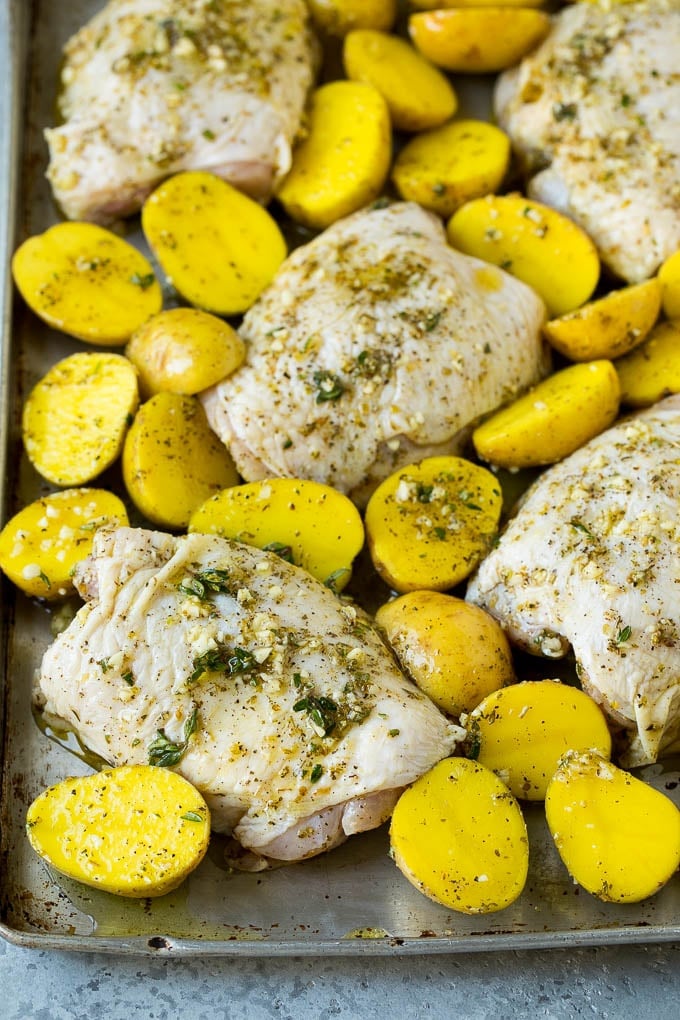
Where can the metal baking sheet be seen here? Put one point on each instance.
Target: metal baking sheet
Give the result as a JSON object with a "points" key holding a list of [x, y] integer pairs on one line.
{"points": [[351, 901]]}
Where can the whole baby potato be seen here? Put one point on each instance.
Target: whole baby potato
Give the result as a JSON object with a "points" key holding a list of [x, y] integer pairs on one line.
{"points": [[455, 652], [184, 350]]}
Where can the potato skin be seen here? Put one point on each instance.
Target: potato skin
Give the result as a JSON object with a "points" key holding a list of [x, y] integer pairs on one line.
{"points": [[651, 371], [478, 40], [454, 651], [106, 830], [458, 835], [618, 837], [184, 350], [669, 278], [338, 17]]}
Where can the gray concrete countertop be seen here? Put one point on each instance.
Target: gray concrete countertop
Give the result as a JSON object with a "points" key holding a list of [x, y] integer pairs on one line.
{"points": [[621, 982]]}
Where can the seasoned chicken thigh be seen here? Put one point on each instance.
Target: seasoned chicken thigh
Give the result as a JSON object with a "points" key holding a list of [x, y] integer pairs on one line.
{"points": [[377, 344], [151, 87], [304, 729], [592, 560], [596, 109]]}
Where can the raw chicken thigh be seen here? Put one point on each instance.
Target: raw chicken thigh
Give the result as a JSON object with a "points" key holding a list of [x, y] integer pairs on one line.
{"points": [[152, 87], [592, 560], [596, 109], [376, 345], [305, 729]]}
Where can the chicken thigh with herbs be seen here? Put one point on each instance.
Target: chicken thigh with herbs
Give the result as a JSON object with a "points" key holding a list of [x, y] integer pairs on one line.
{"points": [[275, 699], [152, 87], [594, 112], [591, 561], [376, 345]]}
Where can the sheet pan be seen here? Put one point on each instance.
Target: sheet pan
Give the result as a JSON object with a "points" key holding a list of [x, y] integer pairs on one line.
{"points": [[352, 901]]}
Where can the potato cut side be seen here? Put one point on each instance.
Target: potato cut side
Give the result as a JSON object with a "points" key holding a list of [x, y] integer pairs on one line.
{"points": [[218, 248], [443, 5], [133, 831], [652, 371], [85, 281], [173, 461], [75, 418], [342, 163], [480, 40], [451, 165], [609, 327], [308, 524], [338, 17], [551, 421], [454, 651], [418, 96], [459, 836], [430, 524], [184, 350], [521, 732], [533, 242], [618, 837], [669, 278], [40, 545]]}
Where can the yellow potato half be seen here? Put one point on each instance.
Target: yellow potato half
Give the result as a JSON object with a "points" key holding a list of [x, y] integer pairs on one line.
{"points": [[430, 524], [443, 5], [551, 421], [173, 461], [480, 40], [338, 17], [533, 242], [133, 831], [444, 168], [669, 278], [417, 94], [40, 545], [608, 327], [75, 418], [618, 837], [652, 371], [521, 732], [309, 524], [217, 247], [342, 163], [184, 350], [458, 835], [454, 651], [87, 282]]}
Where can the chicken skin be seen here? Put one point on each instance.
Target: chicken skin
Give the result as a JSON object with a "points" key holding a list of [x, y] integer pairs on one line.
{"points": [[152, 87]]}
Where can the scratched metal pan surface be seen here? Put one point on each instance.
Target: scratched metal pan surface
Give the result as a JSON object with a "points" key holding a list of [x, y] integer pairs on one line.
{"points": [[352, 901]]}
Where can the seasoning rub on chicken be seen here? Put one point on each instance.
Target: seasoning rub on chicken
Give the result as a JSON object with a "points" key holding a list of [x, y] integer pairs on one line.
{"points": [[591, 561], [594, 112], [376, 345], [275, 699], [152, 87]]}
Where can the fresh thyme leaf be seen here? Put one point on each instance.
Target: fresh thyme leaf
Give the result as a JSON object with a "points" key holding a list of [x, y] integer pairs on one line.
{"points": [[240, 662], [564, 111], [144, 282], [129, 678], [322, 711], [432, 321], [328, 386], [440, 533], [209, 135], [192, 816], [424, 492], [578, 526], [282, 550], [104, 665], [192, 586], [623, 635], [208, 662], [191, 725], [316, 774], [393, 733], [206, 583], [45, 579], [164, 752], [332, 579]]}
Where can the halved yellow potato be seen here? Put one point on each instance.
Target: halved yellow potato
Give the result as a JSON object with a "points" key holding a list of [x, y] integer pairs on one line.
{"points": [[309, 524], [618, 837], [184, 350], [533, 242], [40, 545], [133, 831], [521, 732], [669, 278], [454, 651], [418, 96], [87, 282], [458, 835], [75, 418], [173, 461], [217, 247], [338, 17], [442, 5], [652, 371], [551, 421], [608, 327], [342, 163], [430, 524], [480, 40], [444, 168]]}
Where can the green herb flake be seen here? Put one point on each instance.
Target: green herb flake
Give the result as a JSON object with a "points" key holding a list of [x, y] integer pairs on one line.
{"points": [[332, 579], [393, 733], [287, 443], [321, 710], [316, 774], [328, 386], [45, 579], [623, 635], [192, 816], [439, 533], [625, 99], [285, 552], [144, 282], [163, 752], [564, 111], [432, 321], [209, 135], [579, 526], [104, 665], [241, 661], [424, 492], [129, 678]]}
